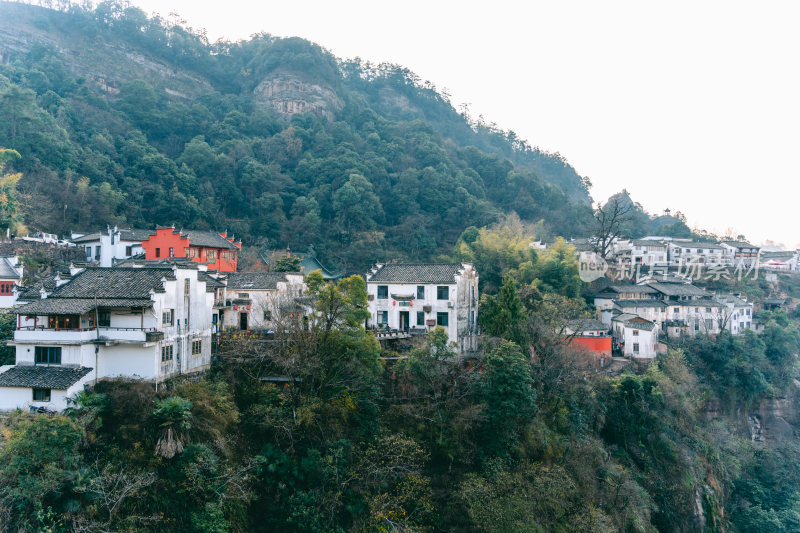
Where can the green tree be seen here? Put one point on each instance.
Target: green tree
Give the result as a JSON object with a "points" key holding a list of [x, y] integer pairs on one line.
{"points": [[506, 388], [39, 465]]}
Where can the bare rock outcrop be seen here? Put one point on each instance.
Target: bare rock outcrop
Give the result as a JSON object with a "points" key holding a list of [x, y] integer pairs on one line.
{"points": [[287, 94]]}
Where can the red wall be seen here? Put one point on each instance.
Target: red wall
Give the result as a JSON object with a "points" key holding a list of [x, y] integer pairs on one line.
{"points": [[600, 346], [166, 238], [163, 240]]}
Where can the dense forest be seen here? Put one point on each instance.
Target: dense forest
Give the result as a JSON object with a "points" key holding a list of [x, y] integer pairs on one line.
{"points": [[158, 126], [358, 439], [361, 179]]}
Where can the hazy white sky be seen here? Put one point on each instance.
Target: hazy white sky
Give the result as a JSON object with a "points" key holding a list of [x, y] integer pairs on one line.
{"points": [[693, 106]]}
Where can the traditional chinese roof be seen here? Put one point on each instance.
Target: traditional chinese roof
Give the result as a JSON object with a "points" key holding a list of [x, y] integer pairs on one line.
{"points": [[211, 282], [117, 282], [648, 242], [778, 255], [740, 244], [732, 299], [241, 281], [136, 235], [678, 289], [636, 289], [416, 273], [694, 244], [118, 287], [7, 270], [90, 237], [634, 321], [45, 377], [586, 324], [77, 306], [639, 303], [208, 239]]}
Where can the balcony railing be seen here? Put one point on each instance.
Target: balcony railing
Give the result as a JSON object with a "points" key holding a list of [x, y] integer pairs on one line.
{"points": [[45, 328], [30, 334]]}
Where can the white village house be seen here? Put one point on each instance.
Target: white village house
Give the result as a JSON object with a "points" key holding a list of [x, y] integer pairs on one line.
{"points": [[114, 245], [687, 253], [635, 336], [641, 252], [255, 300], [736, 313], [10, 280], [422, 296], [148, 322], [740, 253]]}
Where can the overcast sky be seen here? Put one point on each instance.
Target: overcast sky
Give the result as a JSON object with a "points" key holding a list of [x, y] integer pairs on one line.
{"points": [[693, 106]]}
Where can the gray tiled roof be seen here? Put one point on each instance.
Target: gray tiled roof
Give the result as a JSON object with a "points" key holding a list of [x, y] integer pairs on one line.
{"points": [[586, 324], [640, 323], [33, 291], [7, 269], [739, 244], [416, 273], [208, 239], [641, 289], [780, 255], [46, 377], [678, 289], [649, 242], [118, 282], [90, 237], [700, 245], [256, 280], [732, 299], [77, 306], [137, 235], [639, 303], [212, 283]]}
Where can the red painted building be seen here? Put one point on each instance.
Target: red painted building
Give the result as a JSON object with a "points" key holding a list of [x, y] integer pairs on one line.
{"points": [[216, 249], [590, 337]]}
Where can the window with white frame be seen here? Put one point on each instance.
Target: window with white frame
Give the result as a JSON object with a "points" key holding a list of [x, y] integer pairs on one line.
{"points": [[197, 347]]}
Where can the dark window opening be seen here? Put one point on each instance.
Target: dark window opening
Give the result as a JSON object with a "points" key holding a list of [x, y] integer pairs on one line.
{"points": [[47, 355], [41, 395]]}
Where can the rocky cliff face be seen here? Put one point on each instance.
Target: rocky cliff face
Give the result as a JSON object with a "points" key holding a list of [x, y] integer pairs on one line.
{"points": [[775, 420], [107, 65], [287, 94]]}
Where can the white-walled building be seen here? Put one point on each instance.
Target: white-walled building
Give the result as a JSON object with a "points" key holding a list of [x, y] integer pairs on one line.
{"points": [[10, 280], [256, 300], [422, 296], [604, 301], [780, 260], [736, 313], [114, 245], [635, 336], [683, 253], [645, 252], [742, 253], [141, 322]]}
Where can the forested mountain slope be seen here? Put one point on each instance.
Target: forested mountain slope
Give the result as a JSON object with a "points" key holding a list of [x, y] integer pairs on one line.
{"points": [[129, 120]]}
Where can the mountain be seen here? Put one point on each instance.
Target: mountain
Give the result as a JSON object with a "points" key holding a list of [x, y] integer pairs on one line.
{"points": [[124, 119]]}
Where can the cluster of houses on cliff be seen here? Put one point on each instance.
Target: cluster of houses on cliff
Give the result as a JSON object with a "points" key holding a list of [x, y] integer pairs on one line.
{"points": [[148, 305], [677, 253]]}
